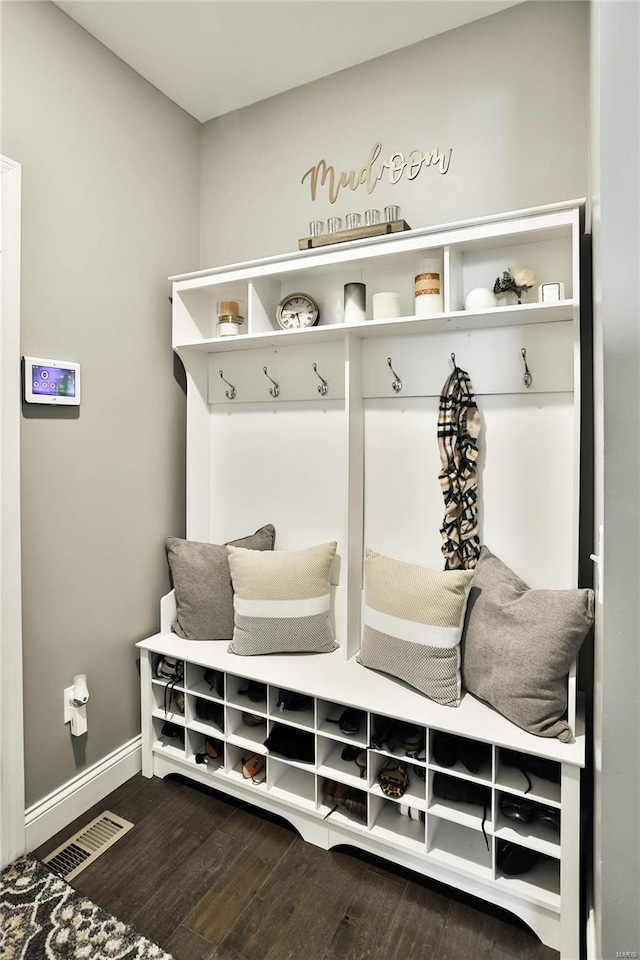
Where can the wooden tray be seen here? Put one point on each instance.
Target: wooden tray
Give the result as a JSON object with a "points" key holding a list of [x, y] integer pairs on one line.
{"points": [[360, 233]]}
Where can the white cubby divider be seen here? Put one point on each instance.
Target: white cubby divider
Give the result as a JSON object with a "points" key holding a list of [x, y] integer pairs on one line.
{"points": [[359, 465]]}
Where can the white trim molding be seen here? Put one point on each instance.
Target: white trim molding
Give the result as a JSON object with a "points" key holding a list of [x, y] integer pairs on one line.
{"points": [[72, 799], [12, 836]]}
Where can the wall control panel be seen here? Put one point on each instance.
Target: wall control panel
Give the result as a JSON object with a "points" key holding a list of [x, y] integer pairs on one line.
{"points": [[51, 381]]}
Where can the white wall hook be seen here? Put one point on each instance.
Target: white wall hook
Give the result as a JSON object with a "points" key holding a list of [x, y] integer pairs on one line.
{"points": [[75, 705]]}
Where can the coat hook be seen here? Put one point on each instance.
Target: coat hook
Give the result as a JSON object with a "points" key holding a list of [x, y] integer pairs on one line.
{"points": [[231, 392], [453, 361], [323, 388], [528, 379], [397, 383], [275, 389]]}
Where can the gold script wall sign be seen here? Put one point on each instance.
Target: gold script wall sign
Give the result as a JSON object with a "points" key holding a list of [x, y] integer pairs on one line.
{"points": [[372, 172]]}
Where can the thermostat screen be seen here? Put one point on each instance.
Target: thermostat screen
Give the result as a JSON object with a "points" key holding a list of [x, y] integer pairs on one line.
{"points": [[53, 382]]}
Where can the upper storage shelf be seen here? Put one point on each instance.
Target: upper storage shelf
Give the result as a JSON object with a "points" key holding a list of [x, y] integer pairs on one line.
{"points": [[473, 254]]}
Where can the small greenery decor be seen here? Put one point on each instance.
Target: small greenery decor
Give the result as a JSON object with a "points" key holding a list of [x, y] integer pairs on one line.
{"points": [[515, 280]]}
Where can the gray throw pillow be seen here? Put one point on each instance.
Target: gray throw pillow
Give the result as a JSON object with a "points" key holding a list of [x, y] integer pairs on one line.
{"points": [[202, 581], [518, 645]]}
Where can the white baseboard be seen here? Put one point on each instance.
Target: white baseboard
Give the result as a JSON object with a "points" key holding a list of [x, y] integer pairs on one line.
{"points": [[72, 799], [591, 936]]}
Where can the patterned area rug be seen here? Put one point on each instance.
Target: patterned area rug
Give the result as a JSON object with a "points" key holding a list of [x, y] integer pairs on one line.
{"points": [[43, 918]]}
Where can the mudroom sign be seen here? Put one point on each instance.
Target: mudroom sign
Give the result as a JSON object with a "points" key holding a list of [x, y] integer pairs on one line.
{"points": [[368, 176]]}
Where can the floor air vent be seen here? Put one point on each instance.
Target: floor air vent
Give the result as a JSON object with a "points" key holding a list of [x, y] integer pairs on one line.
{"points": [[87, 845]]}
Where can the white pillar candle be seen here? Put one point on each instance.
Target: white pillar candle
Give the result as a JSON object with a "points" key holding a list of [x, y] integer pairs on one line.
{"points": [[428, 289], [386, 306]]}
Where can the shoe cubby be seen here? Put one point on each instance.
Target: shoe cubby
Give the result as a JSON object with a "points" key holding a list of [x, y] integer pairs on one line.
{"points": [[521, 780], [246, 694], [331, 719], [299, 716], [397, 823], [168, 702], [415, 792], [205, 715], [469, 804], [354, 814], [460, 756], [235, 761], [211, 686], [291, 784], [405, 745], [461, 847], [201, 746], [539, 883], [168, 738], [246, 729], [531, 824], [333, 765]]}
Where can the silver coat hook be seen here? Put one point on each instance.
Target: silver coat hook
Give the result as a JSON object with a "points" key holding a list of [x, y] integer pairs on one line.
{"points": [[397, 383], [231, 392], [528, 379], [323, 387], [275, 389]]}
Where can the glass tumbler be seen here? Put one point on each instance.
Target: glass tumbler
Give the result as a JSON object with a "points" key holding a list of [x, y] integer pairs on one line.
{"points": [[334, 224]]}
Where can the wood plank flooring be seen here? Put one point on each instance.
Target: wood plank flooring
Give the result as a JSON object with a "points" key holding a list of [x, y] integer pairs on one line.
{"points": [[209, 878]]}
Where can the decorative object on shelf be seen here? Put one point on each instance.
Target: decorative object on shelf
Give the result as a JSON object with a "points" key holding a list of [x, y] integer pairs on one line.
{"points": [[480, 298], [316, 228], [353, 221], [230, 321], [396, 385], [550, 292], [515, 281], [528, 379], [428, 287], [391, 213], [505, 621], [422, 649], [371, 217], [282, 606], [274, 390], [334, 224], [458, 431], [230, 394], [376, 229], [202, 582], [296, 311], [323, 386], [386, 305], [354, 302]]}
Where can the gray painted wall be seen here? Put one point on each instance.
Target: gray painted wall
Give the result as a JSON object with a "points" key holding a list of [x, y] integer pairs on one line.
{"points": [[110, 208], [509, 95], [616, 189]]}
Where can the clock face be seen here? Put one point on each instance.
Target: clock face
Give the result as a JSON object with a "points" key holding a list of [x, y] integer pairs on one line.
{"points": [[296, 311]]}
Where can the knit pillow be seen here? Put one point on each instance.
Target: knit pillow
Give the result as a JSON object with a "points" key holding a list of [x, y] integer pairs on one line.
{"points": [[519, 645], [202, 581], [282, 600], [412, 624]]}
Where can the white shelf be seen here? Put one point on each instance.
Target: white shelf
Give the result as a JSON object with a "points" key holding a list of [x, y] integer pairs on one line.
{"points": [[391, 827], [463, 849], [413, 795], [540, 885], [536, 836], [512, 780], [459, 770], [294, 786], [467, 814]]}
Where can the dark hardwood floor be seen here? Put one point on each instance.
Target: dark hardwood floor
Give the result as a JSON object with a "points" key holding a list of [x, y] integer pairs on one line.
{"points": [[211, 879]]}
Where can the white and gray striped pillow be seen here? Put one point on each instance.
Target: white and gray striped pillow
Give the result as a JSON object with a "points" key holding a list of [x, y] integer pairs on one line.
{"points": [[282, 606], [413, 621]]}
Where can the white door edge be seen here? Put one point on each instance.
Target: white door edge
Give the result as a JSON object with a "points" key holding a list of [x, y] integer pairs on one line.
{"points": [[12, 796]]}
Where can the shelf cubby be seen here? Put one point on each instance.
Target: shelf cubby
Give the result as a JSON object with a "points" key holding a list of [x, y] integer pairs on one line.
{"points": [[389, 825], [332, 766], [328, 724], [455, 845], [292, 784]]}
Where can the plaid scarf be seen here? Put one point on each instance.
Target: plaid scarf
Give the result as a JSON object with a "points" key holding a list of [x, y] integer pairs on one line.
{"points": [[458, 430]]}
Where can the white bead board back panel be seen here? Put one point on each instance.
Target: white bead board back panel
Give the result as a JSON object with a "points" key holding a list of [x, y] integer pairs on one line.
{"points": [[286, 464], [526, 503]]}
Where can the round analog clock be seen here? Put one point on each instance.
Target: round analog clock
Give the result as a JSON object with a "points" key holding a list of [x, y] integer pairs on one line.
{"points": [[297, 310]]}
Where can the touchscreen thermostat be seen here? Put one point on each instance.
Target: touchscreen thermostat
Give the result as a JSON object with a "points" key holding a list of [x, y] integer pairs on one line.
{"points": [[51, 381]]}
